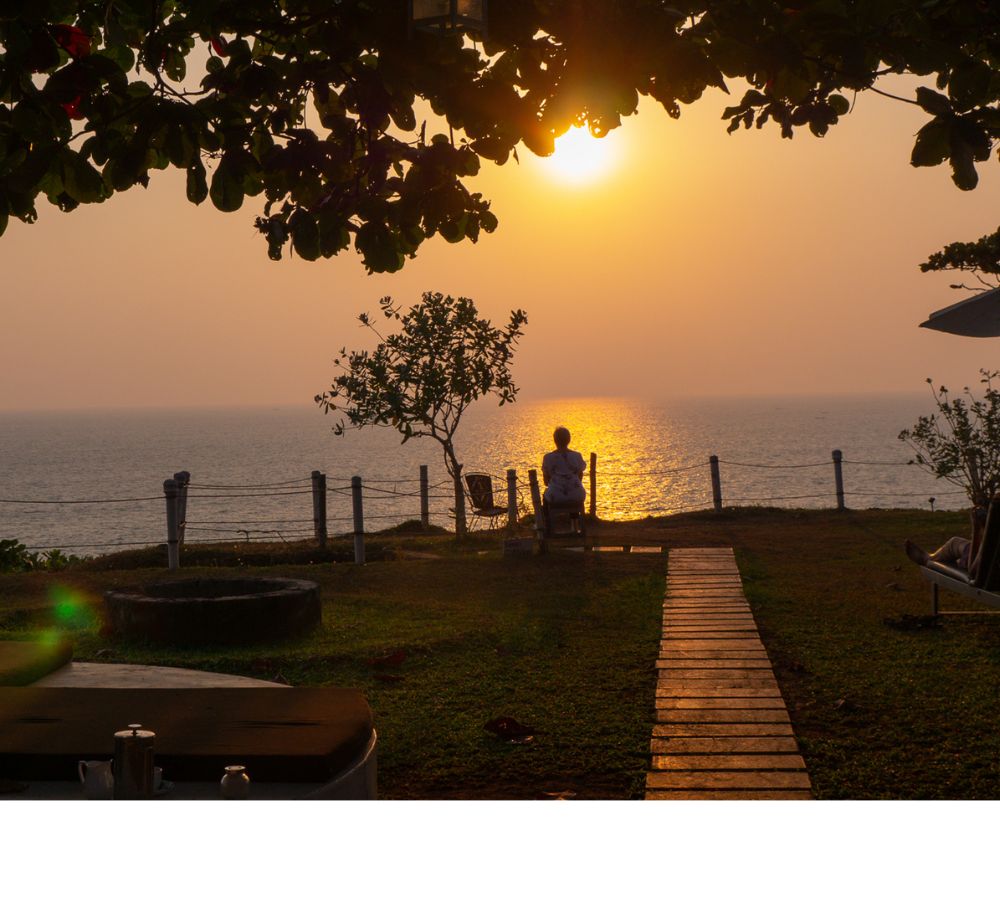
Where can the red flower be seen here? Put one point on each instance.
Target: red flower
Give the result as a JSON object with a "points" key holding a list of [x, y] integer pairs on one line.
{"points": [[220, 46], [74, 41], [73, 109]]}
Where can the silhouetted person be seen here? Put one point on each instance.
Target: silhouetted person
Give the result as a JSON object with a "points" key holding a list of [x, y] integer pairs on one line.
{"points": [[562, 471]]}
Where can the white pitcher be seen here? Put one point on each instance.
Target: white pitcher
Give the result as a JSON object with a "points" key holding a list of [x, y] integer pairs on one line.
{"points": [[98, 781]]}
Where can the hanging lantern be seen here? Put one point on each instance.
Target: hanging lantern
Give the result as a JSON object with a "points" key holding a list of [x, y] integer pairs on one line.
{"points": [[437, 16]]}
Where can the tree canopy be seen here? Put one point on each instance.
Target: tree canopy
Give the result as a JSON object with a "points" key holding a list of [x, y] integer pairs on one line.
{"points": [[962, 443], [311, 105], [420, 379]]}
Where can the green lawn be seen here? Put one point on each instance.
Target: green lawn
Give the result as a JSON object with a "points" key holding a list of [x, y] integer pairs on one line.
{"points": [[566, 644]]}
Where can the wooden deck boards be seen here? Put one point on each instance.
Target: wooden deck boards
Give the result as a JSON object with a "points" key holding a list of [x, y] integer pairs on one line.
{"points": [[722, 730]]}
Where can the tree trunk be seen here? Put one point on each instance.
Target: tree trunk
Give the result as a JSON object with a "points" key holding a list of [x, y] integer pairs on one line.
{"points": [[455, 471]]}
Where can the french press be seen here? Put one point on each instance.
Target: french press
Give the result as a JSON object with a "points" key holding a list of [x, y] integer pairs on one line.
{"points": [[133, 763]]}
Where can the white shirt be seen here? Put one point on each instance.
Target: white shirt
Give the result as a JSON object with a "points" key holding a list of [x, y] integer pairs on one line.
{"points": [[563, 468]]}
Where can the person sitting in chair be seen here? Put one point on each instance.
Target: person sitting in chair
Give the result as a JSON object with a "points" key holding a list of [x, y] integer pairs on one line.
{"points": [[562, 471], [959, 552]]}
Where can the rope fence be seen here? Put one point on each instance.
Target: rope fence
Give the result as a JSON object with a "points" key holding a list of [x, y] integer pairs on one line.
{"points": [[419, 499]]}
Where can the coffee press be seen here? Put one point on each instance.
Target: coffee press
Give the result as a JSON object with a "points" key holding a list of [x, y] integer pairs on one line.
{"points": [[133, 763]]}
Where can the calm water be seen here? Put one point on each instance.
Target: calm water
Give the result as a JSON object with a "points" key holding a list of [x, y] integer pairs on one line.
{"points": [[652, 459]]}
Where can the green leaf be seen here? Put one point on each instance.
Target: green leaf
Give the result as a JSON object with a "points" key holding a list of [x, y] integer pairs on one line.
{"points": [[178, 145], [969, 85], [839, 104], [333, 234], [80, 179], [227, 187], [197, 186], [963, 168], [933, 102], [933, 144], [305, 235]]}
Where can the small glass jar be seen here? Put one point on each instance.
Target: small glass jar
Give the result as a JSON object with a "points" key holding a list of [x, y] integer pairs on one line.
{"points": [[235, 784]]}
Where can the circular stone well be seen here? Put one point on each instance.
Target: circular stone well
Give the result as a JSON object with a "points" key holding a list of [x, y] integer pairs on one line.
{"points": [[214, 611]]}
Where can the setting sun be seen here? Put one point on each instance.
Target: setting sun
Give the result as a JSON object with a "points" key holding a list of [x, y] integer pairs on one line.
{"points": [[580, 157]]}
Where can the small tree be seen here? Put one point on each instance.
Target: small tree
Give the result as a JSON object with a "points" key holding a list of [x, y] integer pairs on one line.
{"points": [[962, 443], [420, 379]]}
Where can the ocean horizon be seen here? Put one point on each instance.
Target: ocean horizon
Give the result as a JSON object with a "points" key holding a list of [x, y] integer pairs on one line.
{"points": [[250, 466]]}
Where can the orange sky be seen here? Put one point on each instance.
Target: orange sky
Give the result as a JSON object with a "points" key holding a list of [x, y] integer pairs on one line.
{"points": [[699, 263]]}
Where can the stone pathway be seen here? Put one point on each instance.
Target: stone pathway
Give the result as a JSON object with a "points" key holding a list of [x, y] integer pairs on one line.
{"points": [[722, 731]]}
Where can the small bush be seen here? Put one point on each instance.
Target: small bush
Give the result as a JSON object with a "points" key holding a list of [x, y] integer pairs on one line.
{"points": [[16, 557]]}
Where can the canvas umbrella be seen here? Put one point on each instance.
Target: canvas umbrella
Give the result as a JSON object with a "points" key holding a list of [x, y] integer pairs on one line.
{"points": [[978, 316]]}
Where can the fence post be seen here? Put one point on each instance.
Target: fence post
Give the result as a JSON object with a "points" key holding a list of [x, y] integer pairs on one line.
{"points": [[359, 521], [838, 476], [716, 482], [183, 478], [425, 498], [170, 497], [536, 498], [460, 528], [319, 507], [593, 484], [511, 498]]}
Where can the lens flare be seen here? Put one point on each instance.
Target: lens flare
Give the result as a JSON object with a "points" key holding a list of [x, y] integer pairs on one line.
{"points": [[70, 609]]}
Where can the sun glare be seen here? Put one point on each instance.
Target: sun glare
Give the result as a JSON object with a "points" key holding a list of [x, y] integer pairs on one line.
{"points": [[579, 157]]}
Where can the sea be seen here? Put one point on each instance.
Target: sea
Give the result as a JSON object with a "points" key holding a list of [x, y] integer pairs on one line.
{"points": [[91, 482]]}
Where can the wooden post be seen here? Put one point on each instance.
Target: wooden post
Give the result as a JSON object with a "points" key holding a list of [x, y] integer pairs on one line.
{"points": [[511, 498], [460, 528], [716, 482], [359, 521], [425, 498], [319, 507], [170, 497], [183, 478], [536, 498], [593, 484], [314, 476], [838, 477]]}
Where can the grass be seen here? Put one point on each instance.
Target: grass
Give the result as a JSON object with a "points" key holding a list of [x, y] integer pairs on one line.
{"points": [[566, 644]]}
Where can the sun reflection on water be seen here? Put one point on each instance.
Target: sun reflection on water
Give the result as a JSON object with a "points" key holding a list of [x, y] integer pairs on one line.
{"points": [[634, 445]]}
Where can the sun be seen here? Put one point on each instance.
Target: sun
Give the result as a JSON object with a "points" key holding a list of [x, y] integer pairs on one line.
{"points": [[580, 157]]}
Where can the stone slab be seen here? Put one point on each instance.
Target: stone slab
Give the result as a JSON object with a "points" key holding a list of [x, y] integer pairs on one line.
{"points": [[144, 676]]}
